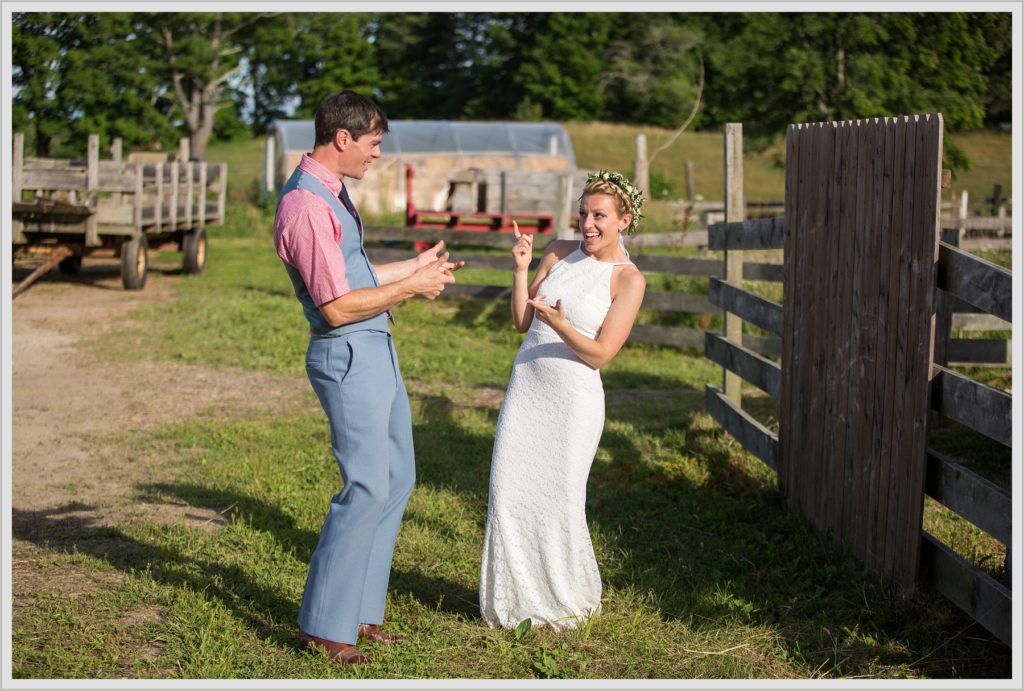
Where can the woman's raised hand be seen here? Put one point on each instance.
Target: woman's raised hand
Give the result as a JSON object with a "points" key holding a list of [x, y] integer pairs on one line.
{"points": [[522, 251]]}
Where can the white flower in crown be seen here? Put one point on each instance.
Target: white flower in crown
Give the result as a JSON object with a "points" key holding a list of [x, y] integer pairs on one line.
{"points": [[636, 197]]}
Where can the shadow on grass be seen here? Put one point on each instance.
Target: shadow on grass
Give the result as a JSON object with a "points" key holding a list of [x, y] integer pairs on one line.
{"points": [[726, 552], [266, 612]]}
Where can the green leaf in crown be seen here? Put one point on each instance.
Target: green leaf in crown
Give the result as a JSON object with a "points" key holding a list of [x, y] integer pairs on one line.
{"points": [[636, 197]]}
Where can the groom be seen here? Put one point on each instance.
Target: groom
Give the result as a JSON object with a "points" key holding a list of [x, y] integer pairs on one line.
{"points": [[353, 368]]}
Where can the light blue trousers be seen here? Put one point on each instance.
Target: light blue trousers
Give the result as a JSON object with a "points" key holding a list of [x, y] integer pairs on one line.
{"points": [[357, 379]]}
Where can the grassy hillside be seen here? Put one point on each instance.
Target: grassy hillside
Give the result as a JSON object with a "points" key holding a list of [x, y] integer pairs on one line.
{"points": [[600, 145], [604, 145]]}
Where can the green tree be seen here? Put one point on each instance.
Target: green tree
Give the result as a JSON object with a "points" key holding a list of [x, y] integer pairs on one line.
{"points": [[768, 70], [201, 54], [564, 64], [79, 74], [425, 62], [36, 58], [332, 52], [652, 69]]}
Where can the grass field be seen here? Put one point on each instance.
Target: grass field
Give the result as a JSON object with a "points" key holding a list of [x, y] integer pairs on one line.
{"points": [[706, 572]]}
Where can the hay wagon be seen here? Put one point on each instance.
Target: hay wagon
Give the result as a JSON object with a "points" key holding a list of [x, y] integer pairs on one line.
{"points": [[71, 209]]}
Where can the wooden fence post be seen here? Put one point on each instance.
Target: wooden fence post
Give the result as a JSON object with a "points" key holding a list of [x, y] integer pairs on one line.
{"points": [[641, 177], [961, 223], [158, 208], [734, 211], [944, 309], [563, 207], [17, 165], [202, 194], [92, 183], [116, 147], [17, 168], [689, 182], [269, 169], [184, 149]]}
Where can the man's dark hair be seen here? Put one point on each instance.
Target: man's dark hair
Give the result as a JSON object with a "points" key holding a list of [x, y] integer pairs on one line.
{"points": [[347, 110]]}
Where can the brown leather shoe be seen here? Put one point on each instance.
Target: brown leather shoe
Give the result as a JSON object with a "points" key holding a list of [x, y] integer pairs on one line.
{"points": [[342, 653], [373, 632]]}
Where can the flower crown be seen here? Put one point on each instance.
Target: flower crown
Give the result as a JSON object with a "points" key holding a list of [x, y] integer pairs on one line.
{"points": [[636, 197]]}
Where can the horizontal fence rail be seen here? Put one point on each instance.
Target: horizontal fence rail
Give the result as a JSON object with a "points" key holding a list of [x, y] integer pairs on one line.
{"points": [[960, 489], [971, 403], [985, 599], [756, 234], [975, 281], [751, 434], [752, 308]]}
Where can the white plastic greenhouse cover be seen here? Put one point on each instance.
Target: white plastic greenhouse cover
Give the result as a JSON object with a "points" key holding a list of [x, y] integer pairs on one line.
{"points": [[445, 136]]}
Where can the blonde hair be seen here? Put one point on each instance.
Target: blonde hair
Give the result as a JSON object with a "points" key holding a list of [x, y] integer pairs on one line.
{"points": [[622, 202]]}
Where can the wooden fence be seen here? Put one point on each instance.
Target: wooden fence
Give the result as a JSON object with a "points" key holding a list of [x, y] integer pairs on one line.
{"points": [[864, 267]]}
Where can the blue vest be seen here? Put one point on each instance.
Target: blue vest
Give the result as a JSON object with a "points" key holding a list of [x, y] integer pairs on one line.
{"points": [[358, 271]]}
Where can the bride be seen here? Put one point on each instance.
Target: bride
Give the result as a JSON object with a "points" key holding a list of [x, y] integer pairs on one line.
{"points": [[538, 562]]}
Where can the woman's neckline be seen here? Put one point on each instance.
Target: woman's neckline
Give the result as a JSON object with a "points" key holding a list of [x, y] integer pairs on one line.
{"points": [[599, 261]]}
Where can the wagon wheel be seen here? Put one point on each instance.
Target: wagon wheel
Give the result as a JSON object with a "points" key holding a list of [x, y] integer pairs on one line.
{"points": [[69, 266], [134, 262], [193, 251]]}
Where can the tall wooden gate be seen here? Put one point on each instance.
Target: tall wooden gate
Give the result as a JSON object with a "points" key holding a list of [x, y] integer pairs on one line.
{"points": [[862, 211]]}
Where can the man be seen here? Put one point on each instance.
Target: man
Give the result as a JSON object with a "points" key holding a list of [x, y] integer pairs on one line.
{"points": [[352, 365]]}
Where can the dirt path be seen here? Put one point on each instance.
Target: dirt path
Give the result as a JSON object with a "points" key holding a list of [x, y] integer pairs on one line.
{"points": [[66, 399]]}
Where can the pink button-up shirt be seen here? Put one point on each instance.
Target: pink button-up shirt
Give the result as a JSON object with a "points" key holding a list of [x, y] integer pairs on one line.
{"points": [[307, 235]]}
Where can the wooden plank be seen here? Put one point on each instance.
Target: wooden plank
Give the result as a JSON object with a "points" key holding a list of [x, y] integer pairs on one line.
{"points": [[761, 372], [451, 237], [755, 309], [818, 282], [788, 440], [189, 173], [976, 281], [202, 195], [678, 302], [37, 179], [978, 322], [17, 166], [753, 234], [92, 238], [692, 238], [222, 192], [894, 320], [877, 500], [677, 265], [839, 274], [981, 407], [980, 501], [677, 336], [751, 434], [158, 201], [927, 197], [964, 352], [975, 592], [767, 345], [900, 430], [173, 199], [733, 260], [137, 200], [764, 272]]}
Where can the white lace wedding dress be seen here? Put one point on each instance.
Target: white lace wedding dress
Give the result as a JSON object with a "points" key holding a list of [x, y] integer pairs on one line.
{"points": [[538, 561]]}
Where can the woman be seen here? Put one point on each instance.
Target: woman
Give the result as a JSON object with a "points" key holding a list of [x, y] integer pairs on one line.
{"points": [[538, 562]]}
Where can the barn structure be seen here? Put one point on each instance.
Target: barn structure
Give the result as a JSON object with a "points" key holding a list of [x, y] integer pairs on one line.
{"points": [[495, 167]]}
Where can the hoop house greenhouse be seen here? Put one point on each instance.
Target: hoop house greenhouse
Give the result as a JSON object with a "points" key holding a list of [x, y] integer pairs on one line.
{"points": [[490, 166]]}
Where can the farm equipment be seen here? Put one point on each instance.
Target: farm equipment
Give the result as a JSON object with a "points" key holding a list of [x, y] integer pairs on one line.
{"points": [[110, 208], [465, 219]]}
